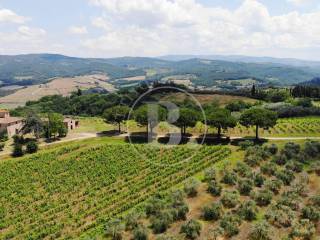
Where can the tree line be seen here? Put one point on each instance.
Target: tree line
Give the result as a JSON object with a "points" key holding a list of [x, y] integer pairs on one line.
{"points": [[213, 116]]}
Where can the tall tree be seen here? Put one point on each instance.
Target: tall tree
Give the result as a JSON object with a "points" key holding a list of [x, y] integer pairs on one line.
{"points": [[33, 124], [220, 118], [55, 124], [149, 116], [260, 118], [116, 115], [187, 118]]}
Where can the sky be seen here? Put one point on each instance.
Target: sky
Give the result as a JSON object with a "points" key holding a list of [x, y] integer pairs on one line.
{"points": [[114, 28]]}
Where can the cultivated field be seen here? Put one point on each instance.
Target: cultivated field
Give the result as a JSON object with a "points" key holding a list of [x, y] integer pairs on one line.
{"points": [[71, 191], [60, 86]]}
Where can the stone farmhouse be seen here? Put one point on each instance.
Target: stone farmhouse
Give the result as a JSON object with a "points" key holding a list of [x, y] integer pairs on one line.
{"points": [[11, 125]]}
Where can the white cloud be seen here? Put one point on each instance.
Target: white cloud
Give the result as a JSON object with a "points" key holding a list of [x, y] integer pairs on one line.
{"points": [[299, 2], [7, 15], [156, 27], [78, 30]]}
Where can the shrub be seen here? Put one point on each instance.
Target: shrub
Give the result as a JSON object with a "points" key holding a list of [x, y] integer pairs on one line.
{"points": [[248, 210], [191, 229], [191, 187], [269, 168], [212, 212], [132, 220], [291, 200], [210, 175], [214, 188], [315, 200], [312, 148], [281, 159], [246, 144], [62, 132], [154, 206], [18, 139], [291, 150], [273, 185], [258, 180], [311, 212], [2, 146], [230, 223], [32, 147], [245, 186], [286, 176], [161, 222], [260, 231], [272, 149], [304, 229], [140, 233], [252, 160], [3, 136], [215, 233], [114, 229], [294, 166], [230, 199], [229, 178], [262, 197], [243, 170], [180, 212], [17, 150], [280, 216]]}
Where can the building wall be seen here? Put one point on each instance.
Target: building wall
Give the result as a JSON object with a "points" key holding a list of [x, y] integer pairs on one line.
{"points": [[4, 114], [70, 124], [13, 129]]}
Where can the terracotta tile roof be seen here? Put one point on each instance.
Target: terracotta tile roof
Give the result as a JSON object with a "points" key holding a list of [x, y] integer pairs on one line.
{"points": [[10, 120], [3, 110]]}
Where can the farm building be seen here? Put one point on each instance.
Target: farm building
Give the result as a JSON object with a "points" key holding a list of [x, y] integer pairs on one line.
{"points": [[70, 123], [10, 125]]}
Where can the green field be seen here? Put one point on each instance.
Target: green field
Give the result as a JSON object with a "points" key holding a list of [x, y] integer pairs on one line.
{"points": [[71, 191]]}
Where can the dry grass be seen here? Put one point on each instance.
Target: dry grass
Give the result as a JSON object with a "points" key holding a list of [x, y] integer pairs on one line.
{"points": [[61, 86]]}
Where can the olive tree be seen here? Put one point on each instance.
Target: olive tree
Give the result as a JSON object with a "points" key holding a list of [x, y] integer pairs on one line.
{"points": [[260, 118]]}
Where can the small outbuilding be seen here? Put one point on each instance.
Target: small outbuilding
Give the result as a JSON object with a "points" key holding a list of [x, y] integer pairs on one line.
{"points": [[10, 125]]}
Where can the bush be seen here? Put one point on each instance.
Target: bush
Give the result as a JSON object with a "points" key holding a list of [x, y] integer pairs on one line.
{"points": [[229, 178], [230, 199], [215, 233], [286, 176], [140, 233], [246, 144], [32, 147], [3, 136], [114, 229], [291, 200], [191, 187], [315, 200], [180, 212], [281, 159], [191, 229], [154, 206], [311, 212], [312, 148], [62, 132], [161, 222], [210, 175], [260, 231], [248, 210], [294, 166], [18, 139], [132, 220], [269, 168], [291, 150], [17, 150], [258, 180], [230, 223], [245, 186], [243, 170], [2, 146], [212, 212], [262, 197], [214, 188], [304, 229], [273, 185], [272, 149], [280, 216]]}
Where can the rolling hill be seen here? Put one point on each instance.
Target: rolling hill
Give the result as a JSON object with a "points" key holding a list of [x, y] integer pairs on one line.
{"points": [[33, 69]]}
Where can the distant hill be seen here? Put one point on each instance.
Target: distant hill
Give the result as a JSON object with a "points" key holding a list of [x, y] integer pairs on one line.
{"points": [[313, 82], [246, 59], [39, 68]]}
